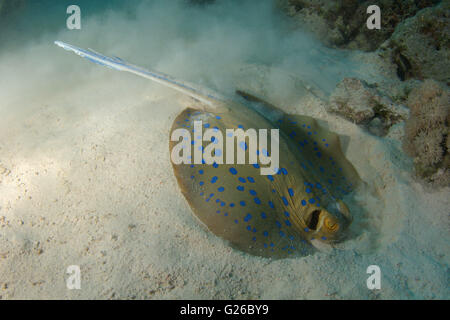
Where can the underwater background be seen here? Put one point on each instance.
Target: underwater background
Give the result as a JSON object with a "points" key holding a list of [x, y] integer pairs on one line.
{"points": [[85, 172]]}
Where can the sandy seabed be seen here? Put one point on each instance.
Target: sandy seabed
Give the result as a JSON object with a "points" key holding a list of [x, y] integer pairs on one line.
{"points": [[86, 179]]}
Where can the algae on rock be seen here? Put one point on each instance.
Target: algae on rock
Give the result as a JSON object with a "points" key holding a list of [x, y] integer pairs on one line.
{"points": [[420, 45], [427, 132], [343, 23], [359, 102]]}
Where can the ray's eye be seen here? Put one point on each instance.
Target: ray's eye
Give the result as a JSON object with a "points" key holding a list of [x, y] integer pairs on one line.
{"points": [[330, 225]]}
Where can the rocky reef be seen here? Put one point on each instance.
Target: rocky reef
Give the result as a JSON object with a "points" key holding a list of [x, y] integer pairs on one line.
{"points": [[359, 102], [343, 23], [414, 34], [420, 45], [414, 40]]}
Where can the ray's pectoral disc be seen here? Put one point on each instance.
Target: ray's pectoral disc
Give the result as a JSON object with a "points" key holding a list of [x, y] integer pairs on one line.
{"points": [[271, 215]]}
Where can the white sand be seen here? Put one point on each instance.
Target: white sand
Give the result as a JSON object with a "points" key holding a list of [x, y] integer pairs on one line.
{"points": [[85, 179]]}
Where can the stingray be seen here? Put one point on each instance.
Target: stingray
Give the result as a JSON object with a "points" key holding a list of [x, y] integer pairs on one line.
{"points": [[277, 215]]}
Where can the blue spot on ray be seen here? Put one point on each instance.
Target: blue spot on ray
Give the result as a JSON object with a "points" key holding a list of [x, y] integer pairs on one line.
{"points": [[243, 145], [256, 196]]}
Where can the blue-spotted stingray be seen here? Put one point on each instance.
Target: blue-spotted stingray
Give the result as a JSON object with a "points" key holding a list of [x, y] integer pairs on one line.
{"points": [[274, 216]]}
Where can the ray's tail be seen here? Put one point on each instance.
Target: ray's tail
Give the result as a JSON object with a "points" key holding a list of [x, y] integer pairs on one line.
{"points": [[202, 94]]}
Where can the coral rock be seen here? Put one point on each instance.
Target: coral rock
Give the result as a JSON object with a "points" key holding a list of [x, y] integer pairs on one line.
{"points": [[351, 99], [361, 103], [427, 131], [420, 44], [343, 23]]}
